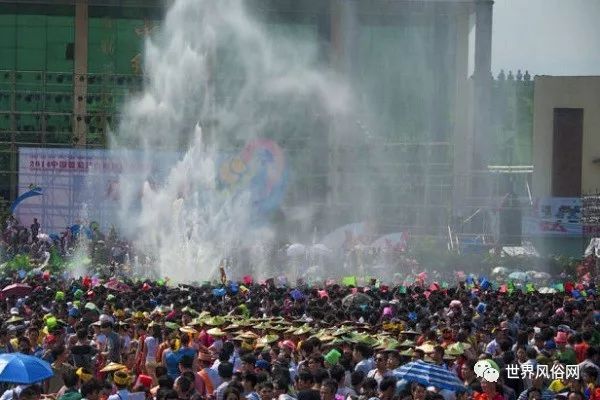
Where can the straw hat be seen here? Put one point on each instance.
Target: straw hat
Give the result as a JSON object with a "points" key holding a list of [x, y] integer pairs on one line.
{"points": [[248, 335], [231, 327], [14, 319], [188, 329], [341, 331], [172, 326], [215, 321], [426, 348], [138, 315], [407, 353], [263, 325], [457, 349], [409, 332], [388, 344], [189, 310], [279, 328], [113, 367], [122, 378], [407, 343], [83, 375], [303, 330], [216, 332], [266, 340]]}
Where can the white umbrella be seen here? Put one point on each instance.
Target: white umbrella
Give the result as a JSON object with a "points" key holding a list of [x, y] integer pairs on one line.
{"points": [[44, 237], [320, 249], [391, 240], [296, 250], [336, 238], [541, 275], [546, 290], [593, 248], [500, 271]]}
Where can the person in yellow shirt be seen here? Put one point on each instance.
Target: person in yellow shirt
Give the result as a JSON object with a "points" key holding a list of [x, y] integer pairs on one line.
{"points": [[558, 385]]}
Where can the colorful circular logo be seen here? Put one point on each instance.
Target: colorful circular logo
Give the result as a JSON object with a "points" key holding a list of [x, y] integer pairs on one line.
{"points": [[261, 168]]}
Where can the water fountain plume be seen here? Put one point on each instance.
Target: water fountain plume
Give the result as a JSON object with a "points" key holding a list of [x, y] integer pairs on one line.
{"points": [[215, 78]]}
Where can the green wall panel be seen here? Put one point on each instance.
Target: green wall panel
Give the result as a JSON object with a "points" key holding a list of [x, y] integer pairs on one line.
{"points": [[113, 43], [35, 42], [7, 41]]}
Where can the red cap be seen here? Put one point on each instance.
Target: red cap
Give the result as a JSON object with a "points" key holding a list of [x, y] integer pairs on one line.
{"points": [[145, 381]]}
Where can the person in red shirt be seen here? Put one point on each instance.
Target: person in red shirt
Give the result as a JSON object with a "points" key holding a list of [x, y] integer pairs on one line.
{"points": [[489, 391], [582, 344], [447, 337]]}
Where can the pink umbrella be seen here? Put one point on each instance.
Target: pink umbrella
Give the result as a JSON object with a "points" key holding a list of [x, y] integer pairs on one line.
{"points": [[16, 289], [117, 286]]}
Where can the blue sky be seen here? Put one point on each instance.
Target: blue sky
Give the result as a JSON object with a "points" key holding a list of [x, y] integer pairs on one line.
{"points": [[547, 37]]}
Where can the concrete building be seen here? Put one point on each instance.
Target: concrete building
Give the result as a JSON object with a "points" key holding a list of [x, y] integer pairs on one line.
{"points": [[566, 136], [566, 156], [66, 67]]}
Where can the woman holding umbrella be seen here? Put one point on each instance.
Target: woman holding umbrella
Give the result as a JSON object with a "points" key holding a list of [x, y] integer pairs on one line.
{"points": [[23, 370]]}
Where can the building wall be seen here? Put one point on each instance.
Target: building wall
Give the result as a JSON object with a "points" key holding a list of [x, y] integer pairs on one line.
{"points": [[565, 92], [408, 61]]}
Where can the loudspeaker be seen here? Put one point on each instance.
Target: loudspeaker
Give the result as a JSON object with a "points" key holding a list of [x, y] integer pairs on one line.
{"points": [[510, 224]]}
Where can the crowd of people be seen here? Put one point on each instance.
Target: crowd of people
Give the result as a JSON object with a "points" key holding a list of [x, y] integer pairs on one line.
{"points": [[118, 339], [107, 336]]}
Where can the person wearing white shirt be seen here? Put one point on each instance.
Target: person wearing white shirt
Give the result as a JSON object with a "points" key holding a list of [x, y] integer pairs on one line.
{"points": [[226, 373], [13, 394], [360, 355]]}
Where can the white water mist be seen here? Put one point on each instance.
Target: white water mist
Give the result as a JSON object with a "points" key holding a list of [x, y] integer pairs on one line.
{"points": [[216, 78]]}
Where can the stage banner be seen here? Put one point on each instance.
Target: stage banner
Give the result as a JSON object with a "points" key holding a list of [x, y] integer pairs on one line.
{"points": [[554, 216], [77, 186], [67, 187]]}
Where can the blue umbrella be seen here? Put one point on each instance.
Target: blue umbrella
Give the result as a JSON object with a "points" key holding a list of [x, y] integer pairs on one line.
{"points": [[23, 369], [296, 294], [429, 375]]}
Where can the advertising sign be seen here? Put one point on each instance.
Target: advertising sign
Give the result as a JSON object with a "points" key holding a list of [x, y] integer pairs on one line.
{"points": [[554, 216]]}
